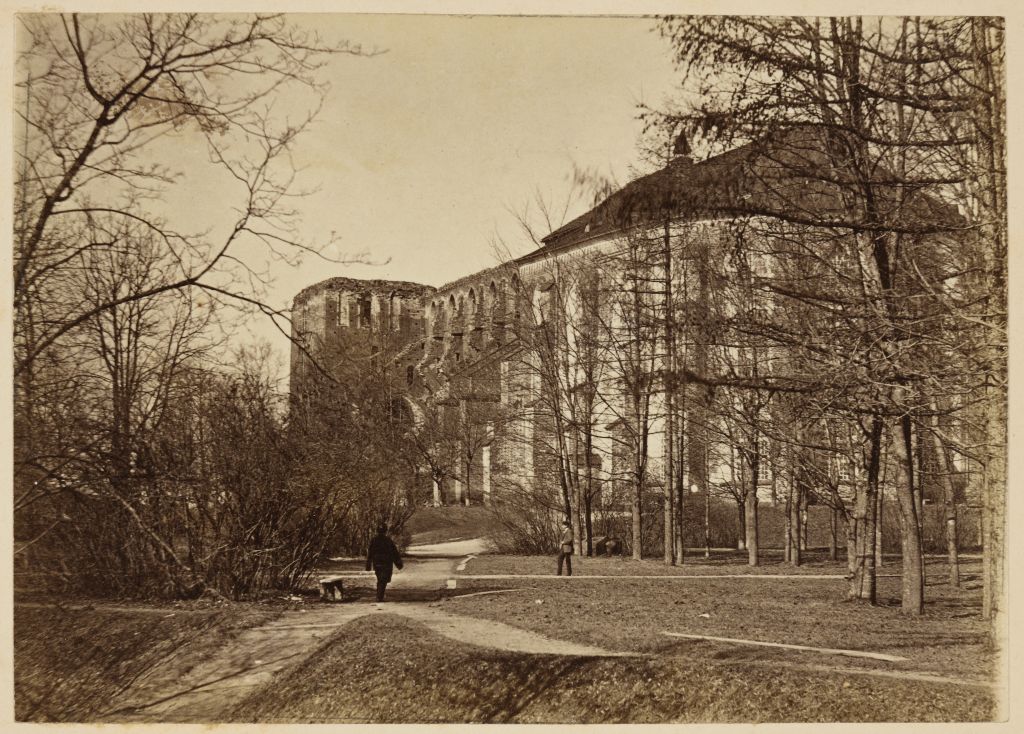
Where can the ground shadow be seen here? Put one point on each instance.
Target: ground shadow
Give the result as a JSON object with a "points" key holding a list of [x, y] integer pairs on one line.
{"points": [[369, 594]]}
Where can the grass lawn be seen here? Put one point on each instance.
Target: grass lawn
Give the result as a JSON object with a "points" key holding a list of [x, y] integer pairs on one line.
{"points": [[631, 614], [453, 522], [392, 670], [721, 562], [71, 663]]}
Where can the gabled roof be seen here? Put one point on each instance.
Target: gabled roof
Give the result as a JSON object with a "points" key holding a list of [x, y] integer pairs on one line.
{"points": [[788, 175]]}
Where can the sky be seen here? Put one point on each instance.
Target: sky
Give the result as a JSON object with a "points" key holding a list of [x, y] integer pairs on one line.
{"points": [[420, 151]]}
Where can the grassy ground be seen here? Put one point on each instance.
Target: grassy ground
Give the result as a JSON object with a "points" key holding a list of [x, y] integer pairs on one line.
{"points": [[396, 671], [631, 614], [70, 664], [454, 522], [720, 562]]}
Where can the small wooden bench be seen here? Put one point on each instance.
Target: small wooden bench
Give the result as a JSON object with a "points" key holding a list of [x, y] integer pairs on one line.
{"points": [[331, 588]]}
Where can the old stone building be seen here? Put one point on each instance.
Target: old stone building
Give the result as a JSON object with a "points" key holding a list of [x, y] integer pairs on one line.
{"points": [[517, 351], [462, 343]]}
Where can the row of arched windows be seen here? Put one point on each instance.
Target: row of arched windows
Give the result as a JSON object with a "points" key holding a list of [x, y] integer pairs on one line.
{"points": [[478, 307]]}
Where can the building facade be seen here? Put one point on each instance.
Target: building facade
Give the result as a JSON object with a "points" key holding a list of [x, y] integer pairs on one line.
{"points": [[555, 364]]}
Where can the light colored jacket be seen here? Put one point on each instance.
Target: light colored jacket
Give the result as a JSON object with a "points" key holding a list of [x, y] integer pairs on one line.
{"points": [[567, 539]]}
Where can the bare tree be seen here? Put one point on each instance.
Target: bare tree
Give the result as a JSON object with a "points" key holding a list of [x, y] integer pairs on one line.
{"points": [[112, 285], [99, 97], [561, 349], [864, 113], [635, 354]]}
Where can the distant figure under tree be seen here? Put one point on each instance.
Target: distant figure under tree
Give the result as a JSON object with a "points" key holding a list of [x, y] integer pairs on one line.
{"points": [[382, 556], [565, 548]]}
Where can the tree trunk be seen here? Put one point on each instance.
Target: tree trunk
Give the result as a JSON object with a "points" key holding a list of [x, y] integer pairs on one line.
{"points": [[578, 524], [787, 528], [750, 518], [707, 520], [637, 528], [753, 557], [682, 479], [879, 524], [988, 51], [863, 573], [794, 524], [948, 501], [588, 500], [588, 510], [851, 552], [741, 538], [673, 535], [833, 534], [668, 533], [576, 491], [912, 601], [917, 480], [952, 545], [669, 529], [993, 513], [680, 546]]}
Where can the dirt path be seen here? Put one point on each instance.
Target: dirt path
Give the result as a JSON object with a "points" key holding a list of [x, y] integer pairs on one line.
{"points": [[495, 635], [206, 690], [213, 687], [254, 657], [452, 549]]}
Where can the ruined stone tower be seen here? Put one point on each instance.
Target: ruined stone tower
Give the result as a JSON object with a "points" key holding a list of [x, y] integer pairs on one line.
{"points": [[339, 320]]}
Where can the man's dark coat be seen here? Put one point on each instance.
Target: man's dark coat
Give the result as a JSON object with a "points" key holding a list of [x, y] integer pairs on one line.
{"points": [[383, 556]]}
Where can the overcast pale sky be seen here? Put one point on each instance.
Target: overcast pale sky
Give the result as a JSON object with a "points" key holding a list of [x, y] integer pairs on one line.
{"points": [[419, 151]]}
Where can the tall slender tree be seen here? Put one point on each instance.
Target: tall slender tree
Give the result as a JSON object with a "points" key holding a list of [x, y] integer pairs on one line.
{"points": [[859, 125]]}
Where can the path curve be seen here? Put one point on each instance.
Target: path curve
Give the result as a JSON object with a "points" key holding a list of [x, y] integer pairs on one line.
{"points": [[427, 567], [213, 687], [453, 548], [252, 659], [495, 635], [210, 688]]}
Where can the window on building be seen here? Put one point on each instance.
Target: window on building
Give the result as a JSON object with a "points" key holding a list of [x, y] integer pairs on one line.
{"points": [[542, 304], [364, 312]]}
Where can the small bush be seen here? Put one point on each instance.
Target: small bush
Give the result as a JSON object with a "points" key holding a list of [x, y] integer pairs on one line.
{"points": [[523, 523]]}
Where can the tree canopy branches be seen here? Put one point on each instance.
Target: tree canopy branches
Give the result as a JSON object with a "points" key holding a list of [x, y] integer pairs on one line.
{"points": [[102, 97]]}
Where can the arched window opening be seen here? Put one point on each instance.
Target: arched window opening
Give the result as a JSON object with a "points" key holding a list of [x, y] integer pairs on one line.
{"points": [[365, 311]]}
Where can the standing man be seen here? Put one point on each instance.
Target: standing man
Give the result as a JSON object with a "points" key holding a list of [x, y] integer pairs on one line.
{"points": [[565, 548], [382, 556]]}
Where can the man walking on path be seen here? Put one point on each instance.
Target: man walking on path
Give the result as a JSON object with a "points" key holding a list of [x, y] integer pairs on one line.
{"points": [[383, 555], [565, 548]]}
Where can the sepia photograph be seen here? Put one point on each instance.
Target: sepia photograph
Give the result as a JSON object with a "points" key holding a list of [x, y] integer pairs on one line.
{"points": [[387, 368]]}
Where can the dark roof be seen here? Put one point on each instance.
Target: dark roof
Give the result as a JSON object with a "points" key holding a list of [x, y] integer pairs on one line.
{"points": [[787, 175]]}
